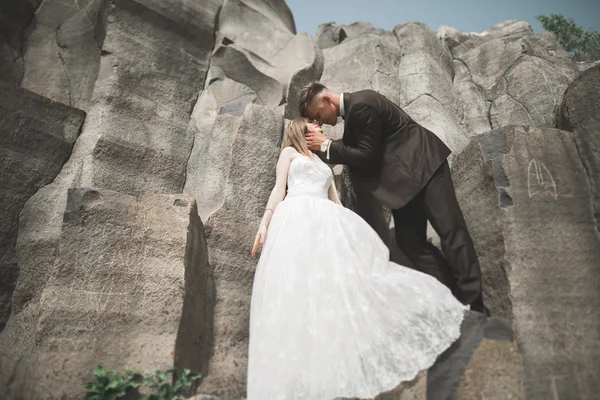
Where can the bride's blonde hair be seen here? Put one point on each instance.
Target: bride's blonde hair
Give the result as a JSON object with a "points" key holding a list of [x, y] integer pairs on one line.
{"points": [[293, 136]]}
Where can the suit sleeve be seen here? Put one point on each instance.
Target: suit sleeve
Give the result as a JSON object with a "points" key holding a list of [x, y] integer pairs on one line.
{"points": [[368, 130]]}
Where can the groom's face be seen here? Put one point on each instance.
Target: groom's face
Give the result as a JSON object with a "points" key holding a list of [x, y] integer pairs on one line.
{"points": [[323, 111]]}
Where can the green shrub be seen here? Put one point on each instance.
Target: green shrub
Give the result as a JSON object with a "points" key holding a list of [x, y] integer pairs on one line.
{"points": [[163, 385]]}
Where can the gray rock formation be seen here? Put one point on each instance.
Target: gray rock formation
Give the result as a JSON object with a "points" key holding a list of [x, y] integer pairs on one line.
{"points": [[129, 287], [257, 45], [331, 34], [580, 113], [215, 122], [36, 138], [190, 97], [141, 111], [526, 198], [62, 56], [426, 80], [15, 16], [508, 75], [230, 231]]}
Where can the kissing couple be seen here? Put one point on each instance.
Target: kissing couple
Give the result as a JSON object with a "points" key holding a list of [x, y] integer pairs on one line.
{"points": [[331, 316]]}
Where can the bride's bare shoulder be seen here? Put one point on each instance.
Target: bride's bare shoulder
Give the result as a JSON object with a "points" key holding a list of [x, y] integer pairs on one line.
{"points": [[289, 153]]}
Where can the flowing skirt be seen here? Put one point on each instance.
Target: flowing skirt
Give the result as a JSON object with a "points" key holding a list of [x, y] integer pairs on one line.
{"points": [[332, 317]]}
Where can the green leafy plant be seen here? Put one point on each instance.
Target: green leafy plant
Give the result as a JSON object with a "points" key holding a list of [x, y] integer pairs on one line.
{"points": [[584, 43], [161, 382], [110, 385], [164, 385]]}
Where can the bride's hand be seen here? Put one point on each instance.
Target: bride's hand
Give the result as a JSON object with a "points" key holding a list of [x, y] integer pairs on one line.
{"points": [[260, 238]]}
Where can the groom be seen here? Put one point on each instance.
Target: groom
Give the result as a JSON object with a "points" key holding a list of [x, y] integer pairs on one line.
{"points": [[402, 165]]}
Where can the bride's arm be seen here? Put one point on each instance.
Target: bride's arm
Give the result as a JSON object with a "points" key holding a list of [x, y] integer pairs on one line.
{"points": [[277, 194], [333, 193]]}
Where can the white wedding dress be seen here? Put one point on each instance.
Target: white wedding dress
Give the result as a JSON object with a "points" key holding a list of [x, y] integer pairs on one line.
{"points": [[331, 316]]}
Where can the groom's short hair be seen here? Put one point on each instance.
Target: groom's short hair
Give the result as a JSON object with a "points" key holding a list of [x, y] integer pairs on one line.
{"points": [[308, 95]]}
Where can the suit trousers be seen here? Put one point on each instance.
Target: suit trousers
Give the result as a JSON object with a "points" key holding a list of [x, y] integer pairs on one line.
{"points": [[457, 265]]}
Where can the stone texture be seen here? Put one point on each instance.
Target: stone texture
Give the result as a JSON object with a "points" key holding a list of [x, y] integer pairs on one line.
{"points": [[580, 113], [141, 111], [230, 231], [62, 56], [215, 122], [15, 16], [262, 27], [191, 96], [136, 139], [236, 66], [508, 75], [36, 138], [258, 47], [331, 34], [425, 75], [366, 62], [65, 53], [129, 288], [526, 198], [305, 63]]}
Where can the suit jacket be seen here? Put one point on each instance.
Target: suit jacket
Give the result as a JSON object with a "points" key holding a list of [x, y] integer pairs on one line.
{"points": [[388, 153]]}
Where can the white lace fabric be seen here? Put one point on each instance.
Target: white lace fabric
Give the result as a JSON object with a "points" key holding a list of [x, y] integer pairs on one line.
{"points": [[331, 317]]}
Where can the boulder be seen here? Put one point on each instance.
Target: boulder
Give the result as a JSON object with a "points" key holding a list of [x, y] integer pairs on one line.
{"points": [[425, 76], [36, 138], [331, 34], [65, 54], [230, 232], [236, 65], [366, 62], [259, 48], [129, 288], [15, 16], [508, 75], [62, 56], [527, 201], [136, 139], [262, 27], [215, 122], [140, 113], [580, 113]]}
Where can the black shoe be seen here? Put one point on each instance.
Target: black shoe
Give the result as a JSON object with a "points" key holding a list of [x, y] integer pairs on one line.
{"points": [[477, 305]]}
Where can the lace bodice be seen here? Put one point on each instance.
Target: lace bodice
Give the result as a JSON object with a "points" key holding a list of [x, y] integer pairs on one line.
{"points": [[309, 176]]}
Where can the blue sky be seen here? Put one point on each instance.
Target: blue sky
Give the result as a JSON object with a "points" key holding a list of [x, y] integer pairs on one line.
{"points": [[466, 15]]}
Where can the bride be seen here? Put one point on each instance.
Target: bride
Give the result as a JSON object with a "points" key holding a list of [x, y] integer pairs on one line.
{"points": [[331, 316]]}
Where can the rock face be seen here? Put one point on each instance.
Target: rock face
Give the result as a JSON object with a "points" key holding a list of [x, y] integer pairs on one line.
{"points": [[15, 16], [257, 46], [230, 233], [62, 56], [190, 98], [36, 138], [508, 75], [527, 201], [580, 114], [129, 287]]}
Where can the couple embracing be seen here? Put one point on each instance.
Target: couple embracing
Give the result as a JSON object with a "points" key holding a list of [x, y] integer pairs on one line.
{"points": [[331, 317]]}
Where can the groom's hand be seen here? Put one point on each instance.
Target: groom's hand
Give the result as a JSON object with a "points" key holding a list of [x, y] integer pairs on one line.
{"points": [[314, 140]]}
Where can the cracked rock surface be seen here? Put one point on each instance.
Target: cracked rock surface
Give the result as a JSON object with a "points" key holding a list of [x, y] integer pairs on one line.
{"points": [[139, 140]]}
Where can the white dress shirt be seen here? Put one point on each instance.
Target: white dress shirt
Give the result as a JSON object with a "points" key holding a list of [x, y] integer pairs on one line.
{"points": [[342, 113]]}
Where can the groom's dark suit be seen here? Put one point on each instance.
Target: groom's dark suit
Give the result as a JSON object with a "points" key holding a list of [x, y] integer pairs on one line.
{"points": [[404, 166]]}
